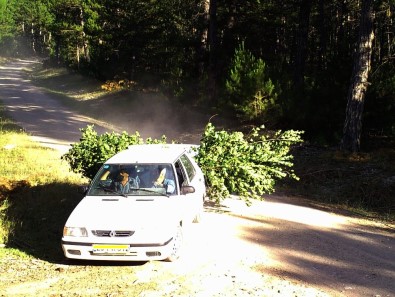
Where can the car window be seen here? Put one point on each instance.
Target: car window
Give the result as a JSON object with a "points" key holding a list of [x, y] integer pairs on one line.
{"points": [[134, 179], [191, 172], [181, 175]]}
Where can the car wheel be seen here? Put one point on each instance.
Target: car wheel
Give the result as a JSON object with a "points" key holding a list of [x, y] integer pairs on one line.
{"points": [[177, 244], [199, 214]]}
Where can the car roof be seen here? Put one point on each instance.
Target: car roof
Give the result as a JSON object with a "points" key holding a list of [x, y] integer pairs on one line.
{"points": [[151, 153]]}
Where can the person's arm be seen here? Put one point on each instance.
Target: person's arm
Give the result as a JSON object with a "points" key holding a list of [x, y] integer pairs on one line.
{"points": [[161, 178], [105, 175], [169, 185]]}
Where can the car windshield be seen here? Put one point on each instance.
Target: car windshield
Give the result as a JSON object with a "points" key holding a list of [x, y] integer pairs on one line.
{"points": [[134, 180]]}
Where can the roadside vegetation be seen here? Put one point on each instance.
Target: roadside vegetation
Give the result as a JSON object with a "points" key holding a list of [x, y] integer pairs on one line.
{"points": [[361, 184], [37, 192]]}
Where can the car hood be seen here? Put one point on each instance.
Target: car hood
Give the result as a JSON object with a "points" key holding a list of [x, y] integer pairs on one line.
{"points": [[121, 212]]}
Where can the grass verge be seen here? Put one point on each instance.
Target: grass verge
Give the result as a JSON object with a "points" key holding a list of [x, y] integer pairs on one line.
{"points": [[37, 193], [6, 124]]}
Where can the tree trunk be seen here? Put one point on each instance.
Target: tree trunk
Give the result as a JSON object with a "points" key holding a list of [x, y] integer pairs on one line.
{"points": [[359, 81], [33, 38], [78, 56], [213, 47], [203, 46], [301, 43], [83, 35], [323, 35]]}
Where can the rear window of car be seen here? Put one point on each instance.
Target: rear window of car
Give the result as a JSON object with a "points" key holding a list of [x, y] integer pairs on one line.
{"points": [[188, 167]]}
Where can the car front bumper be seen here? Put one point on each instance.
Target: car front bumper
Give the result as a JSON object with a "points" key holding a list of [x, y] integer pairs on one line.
{"points": [[117, 251]]}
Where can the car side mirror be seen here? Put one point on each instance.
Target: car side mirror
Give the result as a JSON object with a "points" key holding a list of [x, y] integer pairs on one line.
{"points": [[187, 190], [83, 189]]}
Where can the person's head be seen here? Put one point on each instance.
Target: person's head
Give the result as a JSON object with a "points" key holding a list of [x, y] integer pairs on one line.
{"points": [[123, 174]]}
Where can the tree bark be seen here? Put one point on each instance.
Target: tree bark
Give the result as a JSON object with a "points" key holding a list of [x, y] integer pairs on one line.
{"points": [[83, 36], [323, 35], [213, 47], [301, 43], [359, 81], [203, 47]]}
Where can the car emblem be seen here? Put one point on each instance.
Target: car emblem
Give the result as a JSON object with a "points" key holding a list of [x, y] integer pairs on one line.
{"points": [[113, 233]]}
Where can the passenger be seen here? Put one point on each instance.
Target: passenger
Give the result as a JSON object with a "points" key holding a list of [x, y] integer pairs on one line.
{"points": [[169, 186], [164, 181]]}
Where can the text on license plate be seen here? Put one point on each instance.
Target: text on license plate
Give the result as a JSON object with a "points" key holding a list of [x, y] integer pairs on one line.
{"points": [[110, 248]]}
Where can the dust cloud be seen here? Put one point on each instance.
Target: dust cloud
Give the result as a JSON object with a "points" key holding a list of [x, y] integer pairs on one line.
{"points": [[153, 115]]}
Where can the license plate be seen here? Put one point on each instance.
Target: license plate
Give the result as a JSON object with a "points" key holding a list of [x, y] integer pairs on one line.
{"points": [[110, 249]]}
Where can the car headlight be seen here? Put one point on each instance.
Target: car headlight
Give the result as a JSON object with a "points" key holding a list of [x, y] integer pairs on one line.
{"points": [[75, 231]]}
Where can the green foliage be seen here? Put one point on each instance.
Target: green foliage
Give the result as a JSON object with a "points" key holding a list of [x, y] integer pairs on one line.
{"points": [[231, 162], [250, 90], [88, 155], [247, 165], [6, 22]]}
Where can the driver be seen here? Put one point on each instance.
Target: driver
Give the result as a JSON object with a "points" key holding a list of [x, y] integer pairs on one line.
{"points": [[121, 183]]}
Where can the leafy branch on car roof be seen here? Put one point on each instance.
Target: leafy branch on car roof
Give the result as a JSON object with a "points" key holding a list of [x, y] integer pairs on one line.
{"points": [[246, 165], [88, 155], [232, 162]]}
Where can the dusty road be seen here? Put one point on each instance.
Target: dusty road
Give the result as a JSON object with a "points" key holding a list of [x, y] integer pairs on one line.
{"points": [[49, 122], [283, 246]]}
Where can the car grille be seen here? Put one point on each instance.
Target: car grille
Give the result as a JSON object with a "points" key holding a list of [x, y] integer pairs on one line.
{"points": [[112, 233]]}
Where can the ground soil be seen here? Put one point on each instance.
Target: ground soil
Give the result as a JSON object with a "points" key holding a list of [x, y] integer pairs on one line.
{"points": [[283, 246]]}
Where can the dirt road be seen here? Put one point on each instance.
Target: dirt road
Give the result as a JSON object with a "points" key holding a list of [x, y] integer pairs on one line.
{"points": [[284, 246], [49, 122]]}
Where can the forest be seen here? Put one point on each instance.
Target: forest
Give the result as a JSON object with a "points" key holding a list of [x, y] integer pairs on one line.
{"points": [[326, 67]]}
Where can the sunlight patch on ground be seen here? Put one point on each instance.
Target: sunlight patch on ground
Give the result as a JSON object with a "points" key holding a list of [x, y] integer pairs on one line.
{"points": [[9, 85], [287, 212], [216, 240], [88, 95], [29, 288], [14, 79], [12, 68], [62, 147]]}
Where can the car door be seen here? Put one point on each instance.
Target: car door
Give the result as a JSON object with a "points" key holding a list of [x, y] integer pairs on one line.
{"points": [[193, 177]]}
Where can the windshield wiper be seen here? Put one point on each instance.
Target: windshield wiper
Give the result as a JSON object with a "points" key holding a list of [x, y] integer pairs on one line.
{"points": [[150, 191], [111, 191]]}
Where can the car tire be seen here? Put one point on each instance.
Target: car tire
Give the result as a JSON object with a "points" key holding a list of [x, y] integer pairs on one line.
{"points": [[199, 214], [177, 244]]}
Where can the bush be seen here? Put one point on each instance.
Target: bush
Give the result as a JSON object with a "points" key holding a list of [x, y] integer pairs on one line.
{"points": [[247, 165]]}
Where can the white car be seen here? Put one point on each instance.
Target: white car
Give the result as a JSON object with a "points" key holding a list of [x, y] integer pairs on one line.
{"points": [[137, 206]]}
